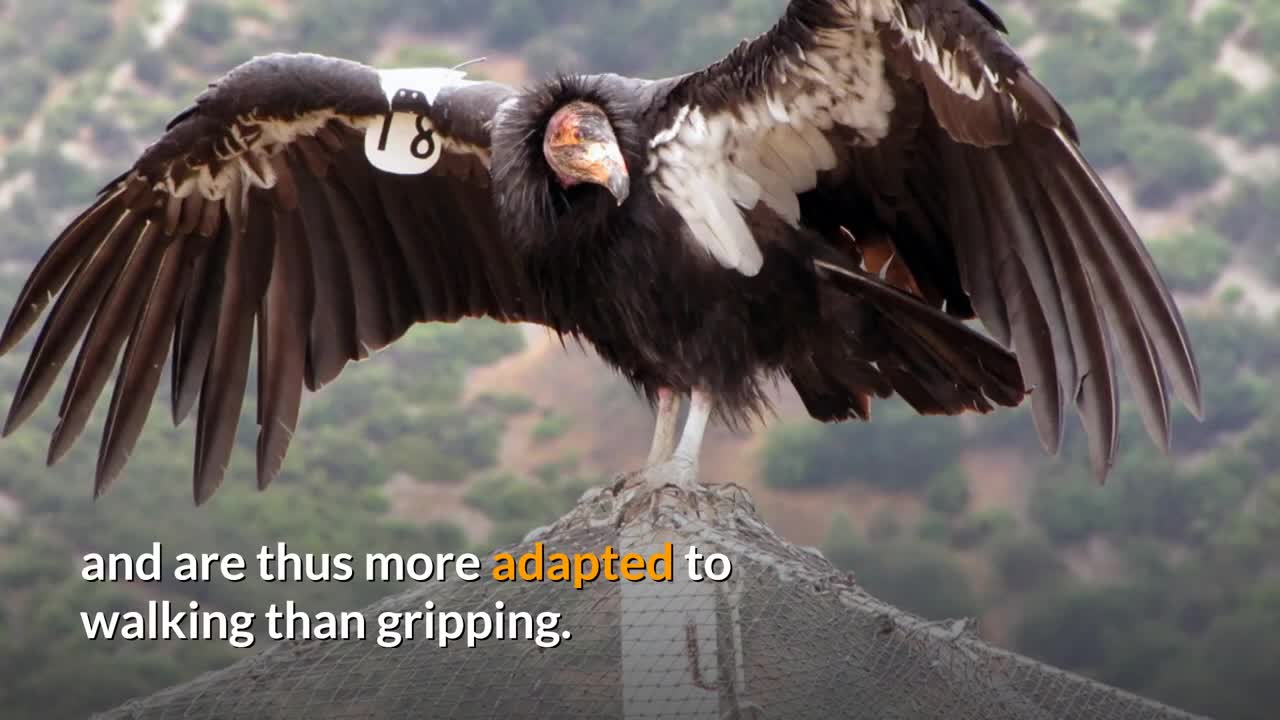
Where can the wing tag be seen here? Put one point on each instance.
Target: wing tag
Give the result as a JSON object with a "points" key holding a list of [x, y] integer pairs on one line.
{"points": [[403, 141], [426, 81]]}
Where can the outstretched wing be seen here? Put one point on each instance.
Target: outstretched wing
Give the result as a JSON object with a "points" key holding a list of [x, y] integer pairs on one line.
{"points": [[263, 206], [913, 125]]}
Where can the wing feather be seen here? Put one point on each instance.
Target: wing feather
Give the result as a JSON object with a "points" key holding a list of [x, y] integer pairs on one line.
{"points": [[421, 259], [392, 267], [964, 173], [258, 215], [111, 326], [283, 327], [1094, 381], [1136, 353], [82, 236], [252, 236], [197, 323], [70, 318], [1031, 327], [143, 365], [333, 337], [372, 326], [1146, 290]]}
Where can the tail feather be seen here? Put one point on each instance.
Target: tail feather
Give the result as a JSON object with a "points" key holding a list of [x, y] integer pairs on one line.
{"points": [[879, 340]]}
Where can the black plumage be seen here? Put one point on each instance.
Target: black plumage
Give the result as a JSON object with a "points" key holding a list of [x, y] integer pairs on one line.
{"points": [[827, 206]]}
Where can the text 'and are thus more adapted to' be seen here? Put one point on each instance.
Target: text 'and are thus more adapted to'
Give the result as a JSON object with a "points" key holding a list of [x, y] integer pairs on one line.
{"points": [[166, 620]]}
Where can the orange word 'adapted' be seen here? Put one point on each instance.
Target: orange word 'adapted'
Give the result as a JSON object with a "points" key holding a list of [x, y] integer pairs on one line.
{"points": [[581, 568]]}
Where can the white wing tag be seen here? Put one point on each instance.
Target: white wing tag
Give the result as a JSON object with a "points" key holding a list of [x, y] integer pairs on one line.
{"points": [[403, 141]]}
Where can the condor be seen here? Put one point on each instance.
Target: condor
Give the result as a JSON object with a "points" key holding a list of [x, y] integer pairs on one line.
{"points": [[827, 206]]}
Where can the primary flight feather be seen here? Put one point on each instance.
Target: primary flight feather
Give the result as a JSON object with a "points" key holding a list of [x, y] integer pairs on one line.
{"points": [[828, 204]]}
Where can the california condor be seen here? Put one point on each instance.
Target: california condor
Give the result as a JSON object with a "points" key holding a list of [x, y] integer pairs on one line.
{"points": [[827, 206]]}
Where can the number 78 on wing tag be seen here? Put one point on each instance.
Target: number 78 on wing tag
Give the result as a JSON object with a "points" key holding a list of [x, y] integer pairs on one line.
{"points": [[403, 141]]}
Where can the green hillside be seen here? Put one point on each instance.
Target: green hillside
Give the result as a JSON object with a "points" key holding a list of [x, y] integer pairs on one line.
{"points": [[1163, 582]]}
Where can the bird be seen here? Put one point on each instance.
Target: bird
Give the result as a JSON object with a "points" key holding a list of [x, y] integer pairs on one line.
{"points": [[873, 198]]}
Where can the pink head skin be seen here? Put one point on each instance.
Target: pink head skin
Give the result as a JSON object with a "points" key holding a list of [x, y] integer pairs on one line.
{"points": [[581, 147]]}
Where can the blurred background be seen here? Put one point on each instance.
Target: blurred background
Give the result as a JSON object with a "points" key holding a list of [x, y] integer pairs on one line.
{"points": [[1165, 582]]}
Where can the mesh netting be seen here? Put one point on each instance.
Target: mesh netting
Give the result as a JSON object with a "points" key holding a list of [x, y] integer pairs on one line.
{"points": [[787, 636]]}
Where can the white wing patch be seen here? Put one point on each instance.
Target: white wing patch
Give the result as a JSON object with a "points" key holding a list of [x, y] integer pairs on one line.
{"points": [[246, 150], [712, 168], [249, 144], [946, 64]]}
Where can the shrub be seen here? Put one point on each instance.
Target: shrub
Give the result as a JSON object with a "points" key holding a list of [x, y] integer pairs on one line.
{"points": [[508, 499], [934, 528], [12, 43], [514, 22], [209, 22], [1233, 295], [1237, 400], [1071, 628], [1068, 509], [551, 426], [1264, 441], [1140, 13], [342, 457], [1193, 99], [25, 85], [26, 231], [1231, 671], [923, 579], [1081, 69], [1108, 130], [1062, 19], [948, 491], [1176, 52], [1025, 562], [507, 404], [1251, 117], [1191, 260], [1250, 214], [1168, 161], [1220, 21], [1154, 497], [788, 456], [90, 25], [982, 526], [898, 450], [1266, 29], [842, 545], [68, 55], [884, 526]]}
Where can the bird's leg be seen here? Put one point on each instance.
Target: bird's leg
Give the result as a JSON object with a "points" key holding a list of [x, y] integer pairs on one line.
{"points": [[664, 427], [700, 408], [682, 469]]}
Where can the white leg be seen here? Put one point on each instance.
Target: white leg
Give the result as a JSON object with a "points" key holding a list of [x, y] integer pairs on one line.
{"points": [[700, 408], [664, 427], [681, 469]]}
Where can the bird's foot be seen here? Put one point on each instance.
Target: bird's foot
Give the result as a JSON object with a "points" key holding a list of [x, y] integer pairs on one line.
{"points": [[680, 472]]}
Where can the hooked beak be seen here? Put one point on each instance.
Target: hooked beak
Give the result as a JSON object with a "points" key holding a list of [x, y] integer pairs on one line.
{"points": [[599, 161], [581, 146], [609, 169]]}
